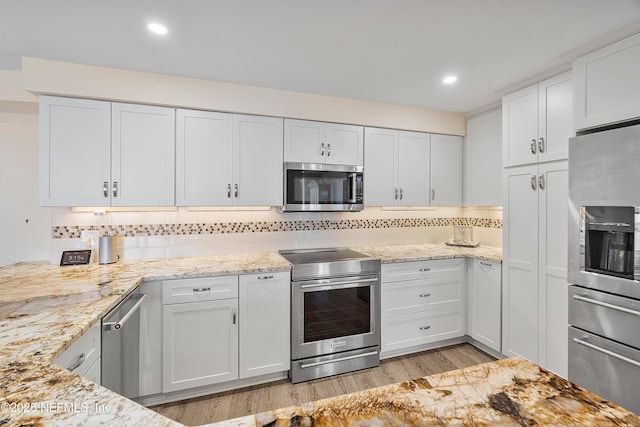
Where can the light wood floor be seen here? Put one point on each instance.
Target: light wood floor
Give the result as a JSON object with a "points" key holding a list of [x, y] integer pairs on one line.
{"points": [[280, 394]]}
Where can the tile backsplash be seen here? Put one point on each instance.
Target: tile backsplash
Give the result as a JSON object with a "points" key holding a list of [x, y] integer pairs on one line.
{"points": [[158, 234]]}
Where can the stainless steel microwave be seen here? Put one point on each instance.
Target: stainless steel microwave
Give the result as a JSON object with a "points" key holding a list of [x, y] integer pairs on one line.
{"points": [[322, 187]]}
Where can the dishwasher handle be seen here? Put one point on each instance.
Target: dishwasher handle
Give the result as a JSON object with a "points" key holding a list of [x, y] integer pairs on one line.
{"points": [[109, 326]]}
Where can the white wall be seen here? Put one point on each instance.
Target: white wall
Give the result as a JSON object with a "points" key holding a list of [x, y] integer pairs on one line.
{"points": [[25, 227]]}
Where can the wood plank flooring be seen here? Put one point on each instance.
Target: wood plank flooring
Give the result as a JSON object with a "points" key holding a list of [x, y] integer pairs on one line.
{"points": [[280, 394]]}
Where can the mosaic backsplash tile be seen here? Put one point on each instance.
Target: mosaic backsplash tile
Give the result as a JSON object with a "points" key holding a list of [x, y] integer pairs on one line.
{"points": [[137, 230]]}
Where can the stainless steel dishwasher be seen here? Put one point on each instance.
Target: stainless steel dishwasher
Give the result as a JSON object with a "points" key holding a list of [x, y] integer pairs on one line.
{"points": [[121, 347]]}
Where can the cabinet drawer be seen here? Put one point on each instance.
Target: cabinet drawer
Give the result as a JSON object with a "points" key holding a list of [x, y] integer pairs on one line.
{"points": [[83, 353], [401, 271], [408, 330], [412, 296], [200, 289]]}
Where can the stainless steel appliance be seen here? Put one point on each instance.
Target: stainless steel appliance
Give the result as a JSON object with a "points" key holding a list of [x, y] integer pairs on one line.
{"points": [[604, 264], [121, 347], [335, 312], [322, 187]]}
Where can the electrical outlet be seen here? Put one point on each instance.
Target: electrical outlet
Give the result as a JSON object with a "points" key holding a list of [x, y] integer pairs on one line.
{"points": [[90, 237]]}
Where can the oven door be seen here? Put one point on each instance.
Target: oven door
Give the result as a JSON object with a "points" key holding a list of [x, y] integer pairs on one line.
{"points": [[334, 315]]}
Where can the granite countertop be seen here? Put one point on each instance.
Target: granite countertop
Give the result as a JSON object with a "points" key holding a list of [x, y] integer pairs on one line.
{"points": [[508, 392], [44, 308]]}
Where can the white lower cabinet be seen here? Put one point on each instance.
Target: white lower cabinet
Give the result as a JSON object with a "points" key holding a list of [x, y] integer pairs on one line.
{"points": [[265, 323], [83, 356], [484, 287], [421, 302], [199, 339]]}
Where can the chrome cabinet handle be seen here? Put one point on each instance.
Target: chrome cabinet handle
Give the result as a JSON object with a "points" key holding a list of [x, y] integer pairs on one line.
{"points": [[425, 295], [322, 147], [105, 189], [201, 289], [77, 364], [328, 150], [433, 194], [541, 145], [486, 264], [534, 182], [115, 189], [229, 190], [607, 352], [396, 194], [235, 190], [424, 328], [265, 277], [541, 181], [234, 315], [424, 269], [606, 305], [533, 146], [401, 193]]}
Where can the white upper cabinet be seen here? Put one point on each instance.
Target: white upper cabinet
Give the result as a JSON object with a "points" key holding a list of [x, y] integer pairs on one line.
{"points": [[228, 159], [482, 160], [537, 122], [203, 158], [257, 161], [142, 155], [75, 152], [446, 170], [607, 84], [319, 142], [396, 168], [95, 153]]}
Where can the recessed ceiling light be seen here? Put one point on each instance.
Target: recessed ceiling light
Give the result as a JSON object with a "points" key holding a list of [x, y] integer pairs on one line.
{"points": [[156, 28], [449, 80]]}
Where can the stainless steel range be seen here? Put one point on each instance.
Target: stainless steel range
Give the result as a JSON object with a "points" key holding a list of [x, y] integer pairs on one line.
{"points": [[335, 312]]}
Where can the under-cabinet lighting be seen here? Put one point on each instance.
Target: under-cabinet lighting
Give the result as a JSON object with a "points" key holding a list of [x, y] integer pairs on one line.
{"points": [[102, 211], [227, 208], [449, 79]]}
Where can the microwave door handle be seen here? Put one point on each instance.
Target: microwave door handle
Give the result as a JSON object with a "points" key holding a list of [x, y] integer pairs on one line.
{"points": [[353, 187]]}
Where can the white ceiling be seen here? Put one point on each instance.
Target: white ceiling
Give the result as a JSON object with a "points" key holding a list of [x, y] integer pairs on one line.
{"points": [[393, 51]]}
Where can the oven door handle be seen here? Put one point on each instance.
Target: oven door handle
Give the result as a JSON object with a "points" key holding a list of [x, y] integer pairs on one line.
{"points": [[607, 352], [325, 362], [607, 305], [342, 282]]}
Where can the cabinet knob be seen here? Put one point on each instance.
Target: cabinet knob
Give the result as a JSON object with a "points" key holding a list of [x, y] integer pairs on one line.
{"points": [[79, 361], [433, 194], [401, 194], [424, 269], [322, 149], [396, 194], [533, 146], [425, 295], [235, 190], [229, 190], [534, 182], [541, 183], [201, 289], [328, 150], [105, 189], [424, 328], [234, 316], [486, 264], [541, 145], [265, 277], [115, 188]]}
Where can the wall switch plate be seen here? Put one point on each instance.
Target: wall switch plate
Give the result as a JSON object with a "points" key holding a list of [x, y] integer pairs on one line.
{"points": [[91, 237]]}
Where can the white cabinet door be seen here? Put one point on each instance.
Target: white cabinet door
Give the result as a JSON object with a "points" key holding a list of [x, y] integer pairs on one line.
{"points": [[520, 263], [265, 313], [142, 155], [482, 160], [555, 117], [304, 141], [520, 127], [413, 168], [203, 158], [380, 166], [485, 298], [344, 144], [553, 198], [200, 344], [75, 152], [607, 84], [257, 154], [446, 170]]}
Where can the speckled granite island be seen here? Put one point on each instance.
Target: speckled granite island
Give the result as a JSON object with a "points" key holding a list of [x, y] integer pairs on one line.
{"points": [[45, 308]]}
